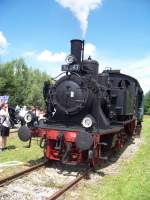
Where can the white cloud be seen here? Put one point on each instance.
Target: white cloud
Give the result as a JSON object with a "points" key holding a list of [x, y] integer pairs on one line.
{"points": [[89, 50], [81, 10], [28, 54], [48, 56], [140, 69], [3, 43]]}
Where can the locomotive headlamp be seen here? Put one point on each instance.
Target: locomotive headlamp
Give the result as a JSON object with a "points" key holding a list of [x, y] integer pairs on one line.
{"points": [[70, 59], [87, 121], [28, 117]]}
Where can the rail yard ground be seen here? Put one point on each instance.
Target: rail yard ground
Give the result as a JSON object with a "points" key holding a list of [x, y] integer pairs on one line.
{"points": [[18, 156], [126, 178]]}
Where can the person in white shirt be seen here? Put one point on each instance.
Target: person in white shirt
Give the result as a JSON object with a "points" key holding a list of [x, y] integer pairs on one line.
{"points": [[23, 111], [4, 126]]}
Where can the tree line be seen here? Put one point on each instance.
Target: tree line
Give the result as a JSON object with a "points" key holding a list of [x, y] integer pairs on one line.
{"points": [[147, 103], [23, 84]]}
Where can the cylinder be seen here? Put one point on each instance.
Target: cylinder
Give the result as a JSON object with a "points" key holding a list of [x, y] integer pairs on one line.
{"points": [[76, 49]]}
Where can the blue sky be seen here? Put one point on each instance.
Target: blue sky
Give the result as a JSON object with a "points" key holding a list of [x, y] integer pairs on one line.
{"points": [[117, 33]]}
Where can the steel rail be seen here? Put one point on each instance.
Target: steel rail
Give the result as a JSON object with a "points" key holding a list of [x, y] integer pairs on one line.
{"points": [[8, 179], [68, 186]]}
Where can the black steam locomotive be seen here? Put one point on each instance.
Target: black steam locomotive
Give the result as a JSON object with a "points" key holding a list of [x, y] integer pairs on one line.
{"points": [[87, 113]]}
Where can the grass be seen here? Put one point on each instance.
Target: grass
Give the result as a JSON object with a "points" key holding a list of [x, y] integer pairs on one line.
{"points": [[133, 181], [18, 151]]}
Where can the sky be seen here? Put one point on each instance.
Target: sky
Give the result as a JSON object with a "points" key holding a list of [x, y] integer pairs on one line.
{"points": [[116, 33]]}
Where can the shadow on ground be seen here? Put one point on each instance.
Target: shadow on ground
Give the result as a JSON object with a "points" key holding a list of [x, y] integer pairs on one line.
{"points": [[11, 147], [67, 170]]}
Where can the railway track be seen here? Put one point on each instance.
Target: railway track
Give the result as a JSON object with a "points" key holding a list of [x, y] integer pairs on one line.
{"points": [[9, 179], [69, 185], [52, 195]]}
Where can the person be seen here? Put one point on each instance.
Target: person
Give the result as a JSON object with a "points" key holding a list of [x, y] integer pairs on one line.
{"points": [[23, 111], [4, 126]]}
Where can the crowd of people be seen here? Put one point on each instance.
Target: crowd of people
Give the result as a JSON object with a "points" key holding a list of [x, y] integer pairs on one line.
{"points": [[5, 121]]}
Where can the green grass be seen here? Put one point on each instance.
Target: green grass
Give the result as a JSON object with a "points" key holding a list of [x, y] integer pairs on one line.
{"points": [[18, 151], [133, 181]]}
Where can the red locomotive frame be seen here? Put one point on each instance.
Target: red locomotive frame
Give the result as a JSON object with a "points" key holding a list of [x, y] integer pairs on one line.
{"points": [[50, 138]]}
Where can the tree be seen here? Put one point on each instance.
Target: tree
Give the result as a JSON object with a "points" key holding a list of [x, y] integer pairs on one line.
{"points": [[147, 103], [7, 83], [24, 85]]}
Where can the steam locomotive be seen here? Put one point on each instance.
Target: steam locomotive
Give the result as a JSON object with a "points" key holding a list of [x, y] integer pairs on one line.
{"points": [[87, 113]]}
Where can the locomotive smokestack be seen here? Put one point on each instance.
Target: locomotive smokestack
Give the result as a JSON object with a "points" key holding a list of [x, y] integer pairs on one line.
{"points": [[77, 49]]}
